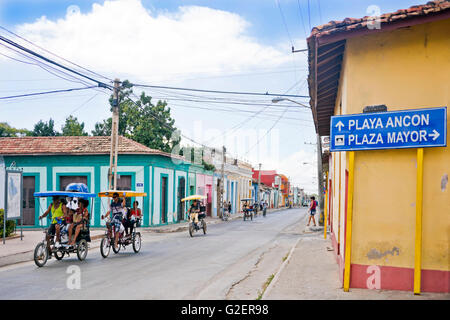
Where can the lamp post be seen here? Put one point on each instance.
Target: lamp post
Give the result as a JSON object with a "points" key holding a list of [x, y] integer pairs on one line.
{"points": [[319, 152]]}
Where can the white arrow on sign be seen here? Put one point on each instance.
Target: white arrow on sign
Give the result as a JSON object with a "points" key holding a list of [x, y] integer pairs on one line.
{"points": [[340, 125], [435, 134]]}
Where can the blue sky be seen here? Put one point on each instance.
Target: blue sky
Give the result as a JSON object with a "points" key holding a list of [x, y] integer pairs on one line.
{"points": [[221, 45]]}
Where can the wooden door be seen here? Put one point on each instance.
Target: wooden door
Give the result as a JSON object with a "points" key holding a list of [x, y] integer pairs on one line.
{"points": [[180, 195], [124, 183], [28, 204], [164, 199]]}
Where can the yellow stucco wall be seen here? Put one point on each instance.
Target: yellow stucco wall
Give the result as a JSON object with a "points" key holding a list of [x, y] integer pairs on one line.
{"points": [[407, 68]]}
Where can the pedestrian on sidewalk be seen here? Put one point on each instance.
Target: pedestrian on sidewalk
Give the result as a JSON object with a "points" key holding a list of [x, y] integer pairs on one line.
{"points": [[312, 210]]}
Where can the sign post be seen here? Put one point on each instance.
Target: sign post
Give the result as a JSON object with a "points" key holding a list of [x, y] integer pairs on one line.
{"points": [[13, 198], [420, 128]]}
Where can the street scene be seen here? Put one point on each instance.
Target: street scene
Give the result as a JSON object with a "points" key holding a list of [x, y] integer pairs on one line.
{"points": [[242, 151]]}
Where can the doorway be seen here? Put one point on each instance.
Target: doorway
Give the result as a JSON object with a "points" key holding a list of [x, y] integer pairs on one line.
{"points": [[180, 195], [164, 192], [124, 183], [64, 181], [28, 203]]}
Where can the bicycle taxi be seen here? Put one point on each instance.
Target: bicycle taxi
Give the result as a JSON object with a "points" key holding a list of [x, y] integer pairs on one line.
{"points": [[134, 238], [248, 207], [71, 199], [201, 215]]}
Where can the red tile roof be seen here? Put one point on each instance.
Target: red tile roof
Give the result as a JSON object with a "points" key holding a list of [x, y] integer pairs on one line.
{"points": [[350, 24], [80, 145], [326, 47]]}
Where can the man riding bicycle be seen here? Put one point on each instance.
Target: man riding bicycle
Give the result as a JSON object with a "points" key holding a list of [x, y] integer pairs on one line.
{"points": [[194, 210], [116, 209], [59, 211]]}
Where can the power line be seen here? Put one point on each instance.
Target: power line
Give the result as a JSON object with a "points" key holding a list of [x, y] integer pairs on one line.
{"points": [[217, 91], [45, 92], [320, 11], [46, 67], [236, 127], [301, 18], [29, 51], [284, 21], [54, 54], [309, 16]]}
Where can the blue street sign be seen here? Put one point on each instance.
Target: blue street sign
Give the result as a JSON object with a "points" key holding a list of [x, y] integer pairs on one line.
{"points": [[139, 184], [389, 130]]}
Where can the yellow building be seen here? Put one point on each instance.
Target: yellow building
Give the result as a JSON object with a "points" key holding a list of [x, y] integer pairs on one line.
{"points": [[401, 60]]}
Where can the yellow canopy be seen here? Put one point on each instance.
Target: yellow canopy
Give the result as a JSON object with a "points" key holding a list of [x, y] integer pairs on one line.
{"points": [[122, 193], [194, 197]]}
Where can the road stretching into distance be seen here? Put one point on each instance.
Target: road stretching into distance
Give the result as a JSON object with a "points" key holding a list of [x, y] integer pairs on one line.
{"points": [[169, 265]]}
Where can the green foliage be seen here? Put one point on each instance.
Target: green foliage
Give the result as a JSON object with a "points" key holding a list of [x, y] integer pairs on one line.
{"points": [[45, 129], [143, 122], [195, 155], [208, 166], [102, 128], [73, 128], [10, 224], [7, 131]]}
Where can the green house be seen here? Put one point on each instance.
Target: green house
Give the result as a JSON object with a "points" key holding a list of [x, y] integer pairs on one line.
{"points": [[51, 163]]}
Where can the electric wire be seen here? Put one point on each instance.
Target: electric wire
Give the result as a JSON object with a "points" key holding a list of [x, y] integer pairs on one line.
{"points": [[88, 70], [45, 92]]}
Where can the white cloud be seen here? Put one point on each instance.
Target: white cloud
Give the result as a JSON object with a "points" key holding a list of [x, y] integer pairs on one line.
{"points": [[122, 37]]}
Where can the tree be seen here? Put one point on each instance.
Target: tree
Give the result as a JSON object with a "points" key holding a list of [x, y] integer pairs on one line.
{"points": [[7, 131], [102, 128], [144, 122], [73, 128], [45, 129]]}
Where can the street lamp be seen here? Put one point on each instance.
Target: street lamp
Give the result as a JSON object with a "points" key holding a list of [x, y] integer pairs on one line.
{"points": [[276, 100], [319, 150]]}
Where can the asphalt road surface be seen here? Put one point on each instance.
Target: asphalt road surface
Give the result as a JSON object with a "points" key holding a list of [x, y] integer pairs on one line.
{"points": [[169, 266]]}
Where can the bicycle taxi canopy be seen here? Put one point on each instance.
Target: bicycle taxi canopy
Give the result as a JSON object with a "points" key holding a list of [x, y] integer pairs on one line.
{"points": [[73, 194], [194, 197], [122, 193]]}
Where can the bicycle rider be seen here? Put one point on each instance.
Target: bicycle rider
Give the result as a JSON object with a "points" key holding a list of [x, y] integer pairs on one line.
{"points": [[58, 210], [117, 210], [194, 211]]}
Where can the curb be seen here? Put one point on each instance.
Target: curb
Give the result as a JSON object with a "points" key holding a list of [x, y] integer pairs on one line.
{"points": [[277, 275]]}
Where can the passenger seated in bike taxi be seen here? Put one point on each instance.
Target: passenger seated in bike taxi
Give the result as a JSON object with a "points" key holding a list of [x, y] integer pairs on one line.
{"points": [[116, 209], [79, 219], [59, 212], [133, 215]]}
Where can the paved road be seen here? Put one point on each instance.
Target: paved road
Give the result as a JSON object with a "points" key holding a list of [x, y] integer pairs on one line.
{"points": [[169, 266]]}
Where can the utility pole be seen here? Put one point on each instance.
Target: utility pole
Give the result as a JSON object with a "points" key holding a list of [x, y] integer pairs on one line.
{"points": [[222, 181], [319, 172], [259, 184], [112, 174]]}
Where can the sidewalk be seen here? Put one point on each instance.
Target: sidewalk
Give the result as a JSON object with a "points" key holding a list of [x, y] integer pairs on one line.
{"points": [[16, 250], [311, 273]]}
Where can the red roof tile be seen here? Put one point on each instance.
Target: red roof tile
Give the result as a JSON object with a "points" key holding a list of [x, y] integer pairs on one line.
{"points": [[80, 145], [348, 24]]}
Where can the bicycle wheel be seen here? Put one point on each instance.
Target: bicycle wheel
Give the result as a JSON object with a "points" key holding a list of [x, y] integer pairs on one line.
{"points": [[59, 255], [82, 250], [137, 242], [40, 254], [191, 229], [105, 247]]}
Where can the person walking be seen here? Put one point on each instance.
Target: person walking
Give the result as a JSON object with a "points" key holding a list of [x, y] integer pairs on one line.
{"points": [[312, 210]]}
